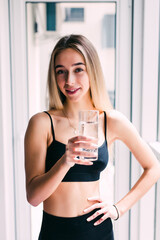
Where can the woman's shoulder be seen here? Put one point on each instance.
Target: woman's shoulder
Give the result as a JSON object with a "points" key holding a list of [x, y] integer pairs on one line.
{"points": [[115, 115], [43, 116], [120, 125], [38, 118], [42, 119], [39, 121]]}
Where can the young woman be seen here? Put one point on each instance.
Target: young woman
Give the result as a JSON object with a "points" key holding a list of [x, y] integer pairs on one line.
{"points": [[69, 186]]}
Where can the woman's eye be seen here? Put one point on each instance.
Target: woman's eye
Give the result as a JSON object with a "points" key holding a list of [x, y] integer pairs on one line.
{"points": [[77, 70], [60, 72]]}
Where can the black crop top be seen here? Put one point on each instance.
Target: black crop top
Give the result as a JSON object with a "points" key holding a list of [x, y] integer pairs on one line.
{"points": [[77, 173]]}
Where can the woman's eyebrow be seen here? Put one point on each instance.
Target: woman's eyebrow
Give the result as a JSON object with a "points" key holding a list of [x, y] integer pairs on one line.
{"points": [[74, 64], [58, 66], [79, 63]]}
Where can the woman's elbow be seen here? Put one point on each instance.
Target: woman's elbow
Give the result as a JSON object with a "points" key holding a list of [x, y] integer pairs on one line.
{"points": [[32, 199]]}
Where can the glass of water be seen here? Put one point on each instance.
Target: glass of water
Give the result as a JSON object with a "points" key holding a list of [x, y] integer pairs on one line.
{"points": [[88, 126]]}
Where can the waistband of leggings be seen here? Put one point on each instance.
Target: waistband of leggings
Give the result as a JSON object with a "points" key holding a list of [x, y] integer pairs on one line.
{"points": [[68, 219]]}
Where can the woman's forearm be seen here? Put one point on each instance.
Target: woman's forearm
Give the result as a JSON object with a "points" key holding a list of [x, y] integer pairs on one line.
{"points": [[145, 182], [41, 187]]}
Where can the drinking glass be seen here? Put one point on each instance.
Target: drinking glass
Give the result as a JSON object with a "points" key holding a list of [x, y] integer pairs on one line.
{"points": [[88, 126]]}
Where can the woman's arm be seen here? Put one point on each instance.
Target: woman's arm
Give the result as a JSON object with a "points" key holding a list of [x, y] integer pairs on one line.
{"points": [[125, 131], [40, 185], [121, 129]]}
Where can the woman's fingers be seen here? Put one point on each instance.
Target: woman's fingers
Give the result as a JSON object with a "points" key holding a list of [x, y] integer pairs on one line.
{"points": [[82, 162], [82, 139], [95, 198], [104, 217], [96, 214], [107, 211], [104, 209], [94, 206], [82, 147], [84, 154]]}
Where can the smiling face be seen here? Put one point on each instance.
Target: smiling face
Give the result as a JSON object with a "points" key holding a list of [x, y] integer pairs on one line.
{"points": [[71, 75]]}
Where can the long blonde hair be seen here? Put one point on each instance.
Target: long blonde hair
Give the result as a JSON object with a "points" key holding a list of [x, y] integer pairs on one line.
{"points": [[98, 90]]}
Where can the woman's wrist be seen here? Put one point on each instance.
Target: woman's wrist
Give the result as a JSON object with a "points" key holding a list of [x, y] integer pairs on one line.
{"points": [[65, 161], [118, 213]]}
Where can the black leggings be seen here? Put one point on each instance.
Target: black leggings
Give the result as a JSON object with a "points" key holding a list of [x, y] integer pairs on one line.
{"points": [[74, 228]]}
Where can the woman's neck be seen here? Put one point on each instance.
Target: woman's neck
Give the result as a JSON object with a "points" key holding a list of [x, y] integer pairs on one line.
{"points": [[72, 109]]}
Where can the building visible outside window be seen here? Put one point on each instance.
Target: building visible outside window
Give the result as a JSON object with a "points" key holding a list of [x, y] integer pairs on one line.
{"points": [[108, 31], [51, 16], [74, 14]]}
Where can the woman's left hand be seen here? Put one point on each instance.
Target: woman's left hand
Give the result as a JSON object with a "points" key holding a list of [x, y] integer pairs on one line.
{"points": [[107, 210]]}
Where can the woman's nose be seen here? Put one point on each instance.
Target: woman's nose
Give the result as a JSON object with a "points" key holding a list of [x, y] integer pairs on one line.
{"points": [[70, 78]]}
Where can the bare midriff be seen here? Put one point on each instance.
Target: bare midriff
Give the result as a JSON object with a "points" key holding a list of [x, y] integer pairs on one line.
{"points": [[71, 198]]}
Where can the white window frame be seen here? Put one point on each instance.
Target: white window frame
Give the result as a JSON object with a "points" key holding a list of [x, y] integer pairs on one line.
{"points": [[149, 101], [7, 212], [146, 36], [15, 211]]}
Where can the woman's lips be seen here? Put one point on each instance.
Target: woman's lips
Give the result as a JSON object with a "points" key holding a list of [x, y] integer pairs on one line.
{"points": [[72, 91]]}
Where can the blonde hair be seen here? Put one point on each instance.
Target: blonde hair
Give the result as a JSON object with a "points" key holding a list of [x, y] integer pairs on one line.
{"points": [[98, 90]]}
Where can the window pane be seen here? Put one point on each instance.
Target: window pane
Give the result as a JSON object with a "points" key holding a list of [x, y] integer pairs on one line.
{"points": [[74, 14]]}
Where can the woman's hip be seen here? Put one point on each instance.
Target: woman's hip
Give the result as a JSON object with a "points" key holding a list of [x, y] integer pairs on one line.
{"points": [[74, 228]]}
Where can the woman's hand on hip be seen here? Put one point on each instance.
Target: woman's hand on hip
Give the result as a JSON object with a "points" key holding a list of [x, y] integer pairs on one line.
{"points": [[102, 207], [75, 153]]}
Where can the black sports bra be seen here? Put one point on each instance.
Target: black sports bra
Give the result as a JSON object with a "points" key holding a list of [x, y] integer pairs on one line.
{"points": [[77, 173]]}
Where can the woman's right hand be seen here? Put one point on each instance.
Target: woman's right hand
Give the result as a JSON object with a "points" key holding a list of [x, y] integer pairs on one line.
{"points": [[74, 153]]}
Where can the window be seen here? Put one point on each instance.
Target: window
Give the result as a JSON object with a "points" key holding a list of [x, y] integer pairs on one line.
{"points": [[74, 14], [108, 33]]}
